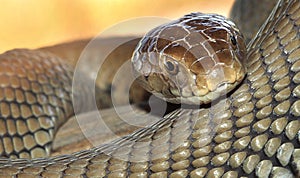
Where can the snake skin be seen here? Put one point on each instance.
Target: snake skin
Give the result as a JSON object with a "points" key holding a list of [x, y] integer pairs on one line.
{"points": [[252, 13], [192, 60], [35, 101], [254, 132]]}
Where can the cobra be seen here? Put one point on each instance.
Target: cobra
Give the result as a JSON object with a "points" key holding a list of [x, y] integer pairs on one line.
{"points": [[192, 60], [253, 132]]}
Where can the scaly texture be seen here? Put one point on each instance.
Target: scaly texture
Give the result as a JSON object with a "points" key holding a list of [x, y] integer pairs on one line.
{"points": [[35, 101], [255, 132], [250, 15], [192, 60]]}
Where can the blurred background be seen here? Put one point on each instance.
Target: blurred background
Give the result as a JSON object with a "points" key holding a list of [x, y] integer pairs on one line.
{"points": [[35, 23]]}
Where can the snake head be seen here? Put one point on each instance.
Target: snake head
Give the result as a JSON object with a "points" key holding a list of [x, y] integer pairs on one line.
{"points": [[192, 60]]}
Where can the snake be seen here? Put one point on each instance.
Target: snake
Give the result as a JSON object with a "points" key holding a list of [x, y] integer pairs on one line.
{"points": [[246, 11], [248, 126]]}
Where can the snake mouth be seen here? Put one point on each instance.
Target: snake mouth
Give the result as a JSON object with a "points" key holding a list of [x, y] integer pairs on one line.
{"points": [[193, 99], [189, 94], [221, 90]]}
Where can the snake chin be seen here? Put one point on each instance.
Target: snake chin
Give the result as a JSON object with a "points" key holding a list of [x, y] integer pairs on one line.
{"points": [[189, 94], [210, 97]]}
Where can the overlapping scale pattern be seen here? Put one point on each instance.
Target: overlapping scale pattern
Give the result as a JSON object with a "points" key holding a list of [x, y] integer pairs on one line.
{"points": [[255, 132], [35, 101]]}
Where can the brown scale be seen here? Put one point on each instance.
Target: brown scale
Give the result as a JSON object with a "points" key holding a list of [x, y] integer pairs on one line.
{"points": [[35, 98]]}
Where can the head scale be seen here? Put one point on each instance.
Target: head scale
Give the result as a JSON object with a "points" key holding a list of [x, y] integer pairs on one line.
{"points": [[193, 60]]}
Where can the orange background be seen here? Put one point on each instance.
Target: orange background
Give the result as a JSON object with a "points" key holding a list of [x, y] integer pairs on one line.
{"points": [[36, 23]]}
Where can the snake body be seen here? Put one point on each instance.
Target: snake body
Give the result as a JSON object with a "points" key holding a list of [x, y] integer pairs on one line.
{"points": [[246, 11], [254, 132]]}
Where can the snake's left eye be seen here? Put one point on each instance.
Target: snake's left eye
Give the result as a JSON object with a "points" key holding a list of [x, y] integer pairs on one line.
{"points": [[233, 40], [171, 67]]}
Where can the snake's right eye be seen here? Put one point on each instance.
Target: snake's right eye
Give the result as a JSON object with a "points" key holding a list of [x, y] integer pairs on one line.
{"points": [[171, 67]]}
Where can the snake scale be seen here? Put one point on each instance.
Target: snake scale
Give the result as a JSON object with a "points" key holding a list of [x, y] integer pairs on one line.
{"points": [[253, 132]]}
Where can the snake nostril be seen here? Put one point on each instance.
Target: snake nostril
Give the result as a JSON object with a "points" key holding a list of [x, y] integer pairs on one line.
{"points": [[146, 77], [233, 40]]}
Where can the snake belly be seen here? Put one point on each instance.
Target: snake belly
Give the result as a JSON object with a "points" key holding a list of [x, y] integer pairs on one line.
{"points": [[254, 132]]}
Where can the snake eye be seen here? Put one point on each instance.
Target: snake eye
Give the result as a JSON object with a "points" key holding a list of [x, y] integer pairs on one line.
{"points": [[233, 40], [171, 67]]}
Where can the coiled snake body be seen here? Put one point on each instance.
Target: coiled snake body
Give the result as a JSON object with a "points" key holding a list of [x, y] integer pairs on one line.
{"points": [[254, 132]]}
